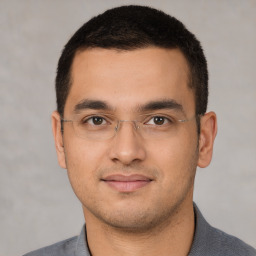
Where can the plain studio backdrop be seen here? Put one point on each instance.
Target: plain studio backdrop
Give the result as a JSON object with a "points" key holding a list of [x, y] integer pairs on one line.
{"points": [[37, 204]]}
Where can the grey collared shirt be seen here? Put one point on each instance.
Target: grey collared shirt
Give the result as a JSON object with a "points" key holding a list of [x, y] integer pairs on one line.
{"points": [[208, 241]]}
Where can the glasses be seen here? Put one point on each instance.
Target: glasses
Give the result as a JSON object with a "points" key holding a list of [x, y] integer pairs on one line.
{"points": [[105, 126]]}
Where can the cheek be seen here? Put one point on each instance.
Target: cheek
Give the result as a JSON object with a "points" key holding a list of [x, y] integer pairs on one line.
{"points": [[83, 158], [176, 158]]}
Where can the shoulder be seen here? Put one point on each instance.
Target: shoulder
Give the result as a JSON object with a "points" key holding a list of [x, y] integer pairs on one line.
{"points": [[222, 243], [64, 248], [212, 241]]}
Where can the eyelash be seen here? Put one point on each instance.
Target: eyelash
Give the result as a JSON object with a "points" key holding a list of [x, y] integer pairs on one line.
{"points": [[107, 120], [87, 119], [166, 119]]}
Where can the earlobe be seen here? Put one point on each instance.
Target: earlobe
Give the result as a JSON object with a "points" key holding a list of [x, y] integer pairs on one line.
{"points": [[58, 138], [206, 139]]}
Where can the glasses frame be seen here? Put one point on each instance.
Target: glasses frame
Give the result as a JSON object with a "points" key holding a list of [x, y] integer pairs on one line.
{"points": [[119, 121]]}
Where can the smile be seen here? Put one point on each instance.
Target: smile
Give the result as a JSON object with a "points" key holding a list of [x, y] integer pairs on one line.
{"points": [[126, 184]]}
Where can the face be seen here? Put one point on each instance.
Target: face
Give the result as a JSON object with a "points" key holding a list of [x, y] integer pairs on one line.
{"points": [[130, 181]]}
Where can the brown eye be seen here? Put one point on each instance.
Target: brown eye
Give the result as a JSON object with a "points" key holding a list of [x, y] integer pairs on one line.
{"points": [[95, 120], [159, 120]]}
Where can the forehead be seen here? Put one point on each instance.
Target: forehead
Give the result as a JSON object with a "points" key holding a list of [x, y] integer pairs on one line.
{"points": [[124, 79]]}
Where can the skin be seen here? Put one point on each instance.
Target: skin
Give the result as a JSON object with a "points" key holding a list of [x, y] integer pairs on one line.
{"points": [[158, 218]]}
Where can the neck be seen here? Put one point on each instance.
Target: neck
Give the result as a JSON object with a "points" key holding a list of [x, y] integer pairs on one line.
{"points": [[174, 237]]}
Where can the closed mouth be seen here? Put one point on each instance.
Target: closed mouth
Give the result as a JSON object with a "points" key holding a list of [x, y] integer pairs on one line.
{"points": [[124, 183]]}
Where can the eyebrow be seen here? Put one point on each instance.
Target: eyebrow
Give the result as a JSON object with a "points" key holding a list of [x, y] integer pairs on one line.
{"points": [[150, 106], [91, 104], [162, 104]]}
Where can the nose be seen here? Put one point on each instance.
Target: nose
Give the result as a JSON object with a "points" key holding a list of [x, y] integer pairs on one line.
{"points": [[127, 146]]}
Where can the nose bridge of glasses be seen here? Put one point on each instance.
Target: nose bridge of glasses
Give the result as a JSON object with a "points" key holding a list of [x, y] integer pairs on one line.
{"points": [[134, 122]]}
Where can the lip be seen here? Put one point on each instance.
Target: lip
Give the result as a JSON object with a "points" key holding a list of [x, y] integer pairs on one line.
{"points": [[123, 183]]}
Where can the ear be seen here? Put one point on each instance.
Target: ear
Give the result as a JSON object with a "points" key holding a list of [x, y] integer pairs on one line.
{"points": [[208, 133], [58, 138]]}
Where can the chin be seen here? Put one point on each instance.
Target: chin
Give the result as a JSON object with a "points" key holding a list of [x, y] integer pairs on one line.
{"points": [[136, 220]]}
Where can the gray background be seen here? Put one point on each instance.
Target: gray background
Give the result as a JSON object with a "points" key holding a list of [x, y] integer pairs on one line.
{"points": [[37, 205]]}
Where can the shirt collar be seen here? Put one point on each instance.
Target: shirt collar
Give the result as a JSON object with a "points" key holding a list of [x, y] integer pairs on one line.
{"points": [[82, 248], [201, 234]]}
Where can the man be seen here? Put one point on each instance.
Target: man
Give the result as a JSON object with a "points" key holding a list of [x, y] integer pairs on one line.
{"points": [[131, 128]]}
